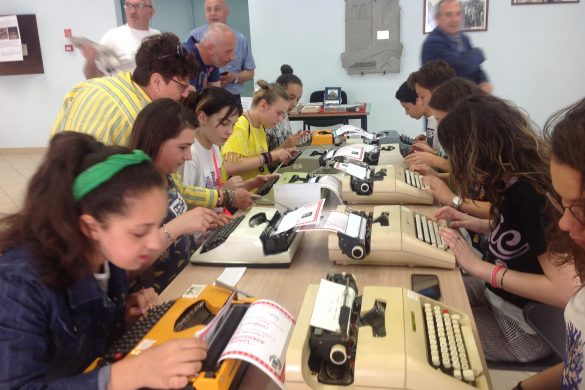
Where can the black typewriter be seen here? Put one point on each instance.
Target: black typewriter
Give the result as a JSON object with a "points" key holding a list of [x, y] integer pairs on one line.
{"points": [[366, 186], [359, 247]]}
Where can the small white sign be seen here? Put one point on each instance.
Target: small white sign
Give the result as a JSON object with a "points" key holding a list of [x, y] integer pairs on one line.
{"points": [[383, 34]]}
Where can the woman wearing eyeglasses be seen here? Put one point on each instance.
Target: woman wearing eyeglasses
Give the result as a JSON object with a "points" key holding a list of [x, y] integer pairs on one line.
{"points": [[124, 40], [490, 143], [106, 107], [567, 169]]}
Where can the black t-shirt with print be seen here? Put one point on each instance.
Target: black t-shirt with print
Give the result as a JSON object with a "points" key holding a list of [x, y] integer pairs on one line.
{"points": [[519, 236]]}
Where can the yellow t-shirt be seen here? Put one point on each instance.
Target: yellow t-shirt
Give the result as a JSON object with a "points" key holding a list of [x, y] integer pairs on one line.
{"points": [[246, 141]]}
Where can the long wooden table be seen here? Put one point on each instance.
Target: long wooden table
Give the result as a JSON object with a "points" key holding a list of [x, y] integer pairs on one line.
{"points": [[310, 265]]}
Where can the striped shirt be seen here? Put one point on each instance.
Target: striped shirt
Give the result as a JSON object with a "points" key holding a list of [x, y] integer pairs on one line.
{"points": [[104, 107], [243, 61]]}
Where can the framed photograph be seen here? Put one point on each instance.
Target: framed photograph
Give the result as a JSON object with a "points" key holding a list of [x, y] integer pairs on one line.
{"points": [[526, 2], [332, 96], [475, 15]]}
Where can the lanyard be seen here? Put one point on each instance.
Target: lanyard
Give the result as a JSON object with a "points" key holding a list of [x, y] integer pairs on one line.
{"points": [[217, 172]]}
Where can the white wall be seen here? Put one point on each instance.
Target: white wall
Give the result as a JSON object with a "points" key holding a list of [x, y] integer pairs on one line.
{"points": [[30, 103], [535, 53]]}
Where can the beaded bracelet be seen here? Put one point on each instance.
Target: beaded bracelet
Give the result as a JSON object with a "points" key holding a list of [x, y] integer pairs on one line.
{"points": [[170, 235], [495, 271]]}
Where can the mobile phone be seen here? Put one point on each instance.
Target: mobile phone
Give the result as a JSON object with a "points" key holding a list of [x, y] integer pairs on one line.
{"points": [[427, 285]]}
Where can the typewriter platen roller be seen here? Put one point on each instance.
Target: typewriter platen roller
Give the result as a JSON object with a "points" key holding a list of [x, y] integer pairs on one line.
{"points": [[401, 358], [390, 235]]}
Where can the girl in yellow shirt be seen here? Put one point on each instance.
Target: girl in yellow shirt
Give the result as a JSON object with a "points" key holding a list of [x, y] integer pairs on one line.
{"points": [[246, 151]]}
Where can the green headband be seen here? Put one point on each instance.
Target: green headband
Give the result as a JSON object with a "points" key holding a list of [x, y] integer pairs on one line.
{"points": [[100, 173]]}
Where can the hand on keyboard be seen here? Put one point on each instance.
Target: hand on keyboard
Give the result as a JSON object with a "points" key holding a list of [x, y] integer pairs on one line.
{"points": [[138, 304], [165, 366], [458, 219], [462, 250], [423, 169], [197, 220], [439, 189], [427, 158], [242, 199], [422, 146]]}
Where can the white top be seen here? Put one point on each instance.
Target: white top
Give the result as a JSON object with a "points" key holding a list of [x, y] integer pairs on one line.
{"points": [[200, 170], [573, 377], [125, 41]]}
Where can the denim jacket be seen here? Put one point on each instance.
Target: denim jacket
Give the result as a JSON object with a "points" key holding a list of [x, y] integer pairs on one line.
{"points": [[49, 336]]}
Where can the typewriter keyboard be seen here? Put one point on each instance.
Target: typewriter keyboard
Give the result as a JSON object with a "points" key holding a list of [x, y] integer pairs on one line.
{"points": [[406, 139], [414, 179], [267, 186], [221, 235], [446, 345], [122, 346], [428, 231]]}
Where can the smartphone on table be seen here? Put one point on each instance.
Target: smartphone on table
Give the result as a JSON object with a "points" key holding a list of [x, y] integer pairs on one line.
{"points": [[427, 285]]}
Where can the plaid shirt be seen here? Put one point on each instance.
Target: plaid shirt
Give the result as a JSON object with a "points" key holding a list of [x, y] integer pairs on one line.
{"points": [[48, 336]]}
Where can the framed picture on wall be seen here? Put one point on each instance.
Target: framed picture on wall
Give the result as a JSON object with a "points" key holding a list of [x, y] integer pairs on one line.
{"points": [[474, 18], [526, 2]]}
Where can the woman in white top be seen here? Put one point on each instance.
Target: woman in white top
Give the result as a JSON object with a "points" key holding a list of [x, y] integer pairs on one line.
{"points": [[567, 168], [217, 111]]}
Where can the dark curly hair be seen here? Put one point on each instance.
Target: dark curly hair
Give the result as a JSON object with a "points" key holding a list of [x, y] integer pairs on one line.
{"points": [[48, 223], [163, 54], [566, 132]]}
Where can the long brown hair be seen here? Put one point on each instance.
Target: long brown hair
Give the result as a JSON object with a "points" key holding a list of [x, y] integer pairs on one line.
{"points": [[488, 142], [566, 132], [48, 223]]}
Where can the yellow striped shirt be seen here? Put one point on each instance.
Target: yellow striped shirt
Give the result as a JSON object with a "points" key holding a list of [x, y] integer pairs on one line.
{"points": [[104, 107]]}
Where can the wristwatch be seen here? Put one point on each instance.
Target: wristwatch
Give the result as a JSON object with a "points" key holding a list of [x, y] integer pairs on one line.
{"points": [[456, 202]]}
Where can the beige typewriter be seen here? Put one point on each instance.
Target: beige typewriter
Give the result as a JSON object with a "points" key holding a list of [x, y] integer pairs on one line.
{"points": [[390, 235], [250, 240], [391, 154], [310, 159], [386, 184], [389, 338]]}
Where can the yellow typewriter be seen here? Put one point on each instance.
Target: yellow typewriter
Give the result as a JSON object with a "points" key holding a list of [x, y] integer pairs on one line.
{"points": [[385, 184], [182, 318], [390, 235], [389, 338]]}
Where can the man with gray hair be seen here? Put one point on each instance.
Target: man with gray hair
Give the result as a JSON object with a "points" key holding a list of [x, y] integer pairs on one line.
{"points": [[216, 49], [446, 42], [124, 40], [241, 69]]}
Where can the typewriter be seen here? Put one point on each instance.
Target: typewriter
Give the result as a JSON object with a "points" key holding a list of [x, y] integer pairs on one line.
{"points": [[318, 137], [248, 240], [396, 339], [310, 159], [182, 318], [267, 189], [386, 184], [390, 235]]}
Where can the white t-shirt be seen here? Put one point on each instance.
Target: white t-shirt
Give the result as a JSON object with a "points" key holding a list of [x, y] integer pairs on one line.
{"points": [[125, 41], [431, 132], [200, 170], [573, 374]]}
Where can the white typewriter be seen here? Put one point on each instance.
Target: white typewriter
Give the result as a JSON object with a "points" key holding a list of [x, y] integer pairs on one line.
{"points": [[396, 339], [310, 159], [386, 184], [250, 240], [391, 154], [390, 235]]}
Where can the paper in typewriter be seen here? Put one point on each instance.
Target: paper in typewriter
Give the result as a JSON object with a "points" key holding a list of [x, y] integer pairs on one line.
{"points": [[308, 213], [353, 170], [353, 130], [354, 152], [330, 298], [262, 338], [333, 221], [207, 332], [330, 183]]}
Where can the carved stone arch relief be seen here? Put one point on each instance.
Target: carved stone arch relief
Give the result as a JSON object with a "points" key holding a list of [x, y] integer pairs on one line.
{"points": [[372, 39]]}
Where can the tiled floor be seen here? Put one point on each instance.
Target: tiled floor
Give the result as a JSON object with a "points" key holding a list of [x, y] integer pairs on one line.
{"points": [[18, 166]]}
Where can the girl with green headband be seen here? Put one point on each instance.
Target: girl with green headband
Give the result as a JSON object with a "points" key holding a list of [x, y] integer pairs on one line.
{"points": [[91, 214], [165, 130]]}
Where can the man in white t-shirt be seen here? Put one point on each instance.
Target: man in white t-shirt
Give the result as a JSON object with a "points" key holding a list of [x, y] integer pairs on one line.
{"points": [[124, 40]]}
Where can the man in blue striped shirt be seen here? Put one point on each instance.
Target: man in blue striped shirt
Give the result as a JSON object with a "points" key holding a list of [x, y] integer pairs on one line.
{"points": [[240, 70]]}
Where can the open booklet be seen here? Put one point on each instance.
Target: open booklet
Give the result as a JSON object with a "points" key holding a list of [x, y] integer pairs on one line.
{"points": [[106, 59], [261, 337]]}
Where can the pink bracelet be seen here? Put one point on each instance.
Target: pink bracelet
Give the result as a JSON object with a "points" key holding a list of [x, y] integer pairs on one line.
{"points": [[495, 271]]}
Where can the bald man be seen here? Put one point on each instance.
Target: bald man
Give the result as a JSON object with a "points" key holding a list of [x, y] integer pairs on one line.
{"points": [[241, 69], [216, 49], [125, 39]]}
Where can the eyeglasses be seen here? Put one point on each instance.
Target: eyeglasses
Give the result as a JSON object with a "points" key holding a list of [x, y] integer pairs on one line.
{"points": [[137, 6], [179, 53], [182, 85], [575, 209]]}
